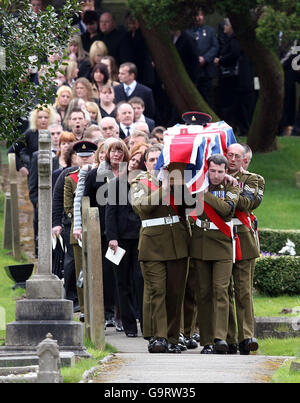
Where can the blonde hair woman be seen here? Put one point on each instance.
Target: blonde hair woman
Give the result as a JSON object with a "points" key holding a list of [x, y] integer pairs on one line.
{"points": [[94, 111], [63, 97], [71, 71], [75, 49], [40, 118], [97, 51], [82, 88]]}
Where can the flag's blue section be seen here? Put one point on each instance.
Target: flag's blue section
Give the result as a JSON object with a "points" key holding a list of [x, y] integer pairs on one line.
{"points": [[213, 140]]}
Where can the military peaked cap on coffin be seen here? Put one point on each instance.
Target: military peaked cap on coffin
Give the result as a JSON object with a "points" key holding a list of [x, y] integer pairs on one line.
{"points": [[84, 148], [196, 118]]}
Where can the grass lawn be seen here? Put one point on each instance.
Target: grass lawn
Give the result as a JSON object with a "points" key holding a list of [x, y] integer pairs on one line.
{"points": [[280, 206], [8, 299], [7, 295], [279, 210], [284, 375], [272, 306]]}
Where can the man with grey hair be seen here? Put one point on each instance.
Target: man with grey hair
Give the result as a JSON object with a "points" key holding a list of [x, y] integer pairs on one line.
{"points": [[231, 337], [125, 118], [137, 137], [109, 127], [242, 269]]}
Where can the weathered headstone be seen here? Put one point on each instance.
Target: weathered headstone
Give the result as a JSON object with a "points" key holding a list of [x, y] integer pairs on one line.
{"points": [[295, 366], [84, 209], [16, 247], [44, 310], [95, 279], [44, 284], [49, 361], [7, 226], [298, 180]]}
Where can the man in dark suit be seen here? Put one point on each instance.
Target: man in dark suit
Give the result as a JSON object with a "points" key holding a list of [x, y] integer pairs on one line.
{"points": [[125, 119], [207, 48], [130, 88], [113, 37]]}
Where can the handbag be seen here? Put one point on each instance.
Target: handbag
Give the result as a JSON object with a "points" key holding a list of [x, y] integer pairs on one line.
{"points": [[230, 71]]}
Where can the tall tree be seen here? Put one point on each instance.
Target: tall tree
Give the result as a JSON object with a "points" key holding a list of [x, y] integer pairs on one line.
{"points": [[258, 35], [156, 18], [26, 39]]}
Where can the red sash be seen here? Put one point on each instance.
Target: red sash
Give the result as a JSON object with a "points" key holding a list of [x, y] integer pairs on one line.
{"points": [[242, 216], [217, 220], [220, 223], [74, 176], [154, 187], [211, 214]]}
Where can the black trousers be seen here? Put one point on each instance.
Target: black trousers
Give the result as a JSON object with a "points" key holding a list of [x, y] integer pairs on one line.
{"points": [[125, 279], [109, 284], [69, 267]]}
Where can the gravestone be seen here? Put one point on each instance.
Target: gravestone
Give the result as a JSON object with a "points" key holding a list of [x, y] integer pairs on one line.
{"points": [[14, 205], [298, 180], [92, 268], [44, 310], [7, 227], [49, 361]]}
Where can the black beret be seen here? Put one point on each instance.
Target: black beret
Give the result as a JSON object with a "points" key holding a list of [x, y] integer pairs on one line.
{"points": [[85, 148], [196, 118]]}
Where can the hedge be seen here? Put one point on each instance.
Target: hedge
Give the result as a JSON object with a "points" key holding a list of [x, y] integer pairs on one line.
{"points": [[277, 275], [273, 240]]}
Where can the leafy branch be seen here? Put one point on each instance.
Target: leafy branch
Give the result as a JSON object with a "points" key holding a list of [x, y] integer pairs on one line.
{"points": [[26, 41]]}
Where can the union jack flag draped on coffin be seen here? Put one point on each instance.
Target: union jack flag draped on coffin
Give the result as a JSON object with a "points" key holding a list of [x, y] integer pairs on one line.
{"points": [[193, 145]]}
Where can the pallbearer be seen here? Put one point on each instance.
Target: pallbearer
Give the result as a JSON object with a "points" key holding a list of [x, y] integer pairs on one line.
{"points": [[212, 253]]}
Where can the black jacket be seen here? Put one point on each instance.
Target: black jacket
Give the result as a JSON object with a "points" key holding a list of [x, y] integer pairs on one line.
{"points": [[24, 147], [140, 91], [33, 179], [58, 215], [121, 222], [96, 188], [207, 46]]}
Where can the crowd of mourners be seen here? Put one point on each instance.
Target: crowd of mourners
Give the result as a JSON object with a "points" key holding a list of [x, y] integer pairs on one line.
{"points": [[111, 108]]}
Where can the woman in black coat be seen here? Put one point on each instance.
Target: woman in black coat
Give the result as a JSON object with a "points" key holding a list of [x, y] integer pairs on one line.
{"points": [[40, 118], [96, 185], [122, 230]]}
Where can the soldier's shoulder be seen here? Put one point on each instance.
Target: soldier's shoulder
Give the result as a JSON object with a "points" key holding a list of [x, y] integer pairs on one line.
{"points": [[144, 175], [232, 191], [247, 176], [248, 173], [72, 172], [254, 174]]}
